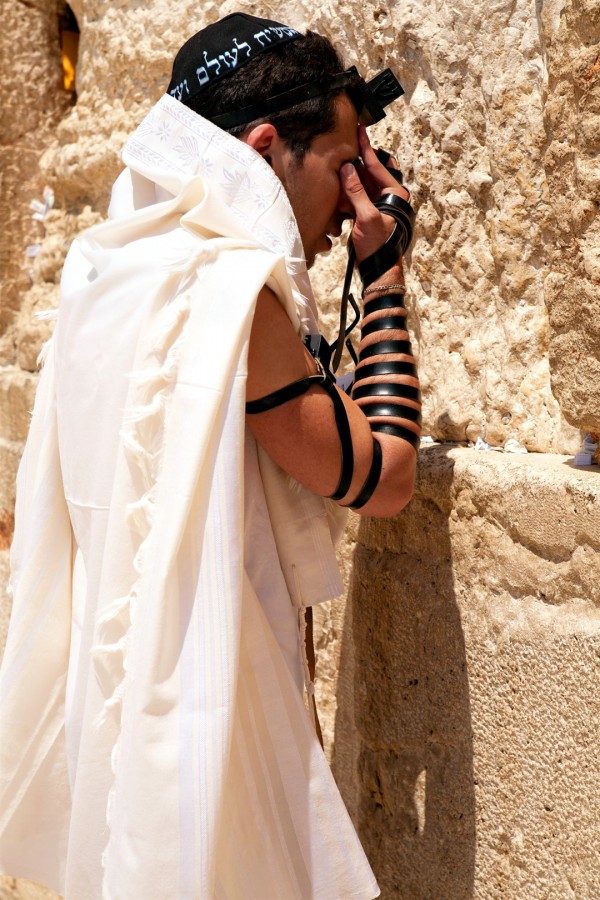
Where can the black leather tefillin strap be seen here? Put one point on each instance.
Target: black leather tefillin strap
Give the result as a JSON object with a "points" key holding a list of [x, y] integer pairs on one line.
{"points": [[389, 301], [296, 389], [374, 266], [383, 389], [382, 347], [328, 356], [385, 323], [289, 392], [372, 479], [381, 394], [396, 245], [397, 431], [386, 367]]}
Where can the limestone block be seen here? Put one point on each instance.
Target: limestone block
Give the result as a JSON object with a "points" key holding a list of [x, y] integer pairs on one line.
{"points": [[572, 120], [17, 389], [10, 455], [477, 639], [471, 140], [32, 102], [19, 889], [17, 392], [125, 56]]}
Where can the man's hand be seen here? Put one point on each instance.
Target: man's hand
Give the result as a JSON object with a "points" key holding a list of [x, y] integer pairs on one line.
{"points": [[362, 186]]}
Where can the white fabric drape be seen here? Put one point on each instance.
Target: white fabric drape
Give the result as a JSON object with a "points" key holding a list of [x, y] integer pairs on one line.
{"points": [[154, 740]]}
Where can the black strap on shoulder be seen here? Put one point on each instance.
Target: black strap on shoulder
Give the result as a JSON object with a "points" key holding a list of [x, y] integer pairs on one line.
{"points": [[284, 394], [296, 389], [372, 479]]}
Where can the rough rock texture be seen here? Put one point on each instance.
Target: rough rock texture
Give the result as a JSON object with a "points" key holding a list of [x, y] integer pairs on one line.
{"points": [[473, 143], [571, 37], [457, 684], [477, 648], [17, 389], [32, 102], [19, 889]]}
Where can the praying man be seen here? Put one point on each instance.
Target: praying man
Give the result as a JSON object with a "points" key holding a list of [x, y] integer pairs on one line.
{"points": [[189, 466]]}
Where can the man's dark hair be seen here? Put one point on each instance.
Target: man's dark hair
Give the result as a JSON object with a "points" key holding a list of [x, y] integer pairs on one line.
{"points": [[285, 67]]}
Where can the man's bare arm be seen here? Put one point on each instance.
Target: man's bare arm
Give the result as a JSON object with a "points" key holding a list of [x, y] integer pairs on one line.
{"points": [[302, 435]]}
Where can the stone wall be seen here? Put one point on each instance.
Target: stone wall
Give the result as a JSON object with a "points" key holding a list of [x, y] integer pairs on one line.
{"points": [[459, 680], [571, 36], [477, 707], [32, 105]]}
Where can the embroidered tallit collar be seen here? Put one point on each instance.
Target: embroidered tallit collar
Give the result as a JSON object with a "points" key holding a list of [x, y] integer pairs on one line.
{"points": [[225, 187]]}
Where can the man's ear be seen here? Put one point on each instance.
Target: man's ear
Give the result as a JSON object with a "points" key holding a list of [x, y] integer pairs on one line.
{"points": [[264, 139]]}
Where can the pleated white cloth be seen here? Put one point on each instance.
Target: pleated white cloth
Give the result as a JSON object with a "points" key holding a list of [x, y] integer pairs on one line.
{"points": [[154, 739]]}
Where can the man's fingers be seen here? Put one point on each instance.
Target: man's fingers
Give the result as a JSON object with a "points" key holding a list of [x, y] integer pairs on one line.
{"points": [[376, 171], [356, 194], [371, 228]]}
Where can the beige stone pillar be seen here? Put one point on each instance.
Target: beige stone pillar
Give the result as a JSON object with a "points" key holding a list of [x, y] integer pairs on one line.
{"points": [[33, 102], [572, 289]]}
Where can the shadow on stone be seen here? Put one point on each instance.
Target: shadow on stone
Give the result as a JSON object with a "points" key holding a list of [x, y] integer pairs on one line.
{"points": [[415, 808]]}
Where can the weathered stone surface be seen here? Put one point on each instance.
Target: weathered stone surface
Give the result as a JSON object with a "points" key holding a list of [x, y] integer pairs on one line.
{"points": [[17, 393], [19, 889], [472, 141], [477, 654], [32, 102], [571, 40], [17, 389]]}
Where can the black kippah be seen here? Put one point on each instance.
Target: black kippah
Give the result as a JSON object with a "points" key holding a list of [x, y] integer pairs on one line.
{"points": [[220, 49]]}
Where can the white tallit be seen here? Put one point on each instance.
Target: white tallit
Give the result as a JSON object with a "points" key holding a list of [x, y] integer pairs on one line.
{"points": [[154, 742]]}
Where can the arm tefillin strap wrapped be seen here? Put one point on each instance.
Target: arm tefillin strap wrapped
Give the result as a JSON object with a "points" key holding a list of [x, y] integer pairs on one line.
{"points": [[396, 245], [383, 389], [385, 323], [391, 367], [387, 301], [374, 266], [328, 358], [296, 389], [382, 347], [379, 392]]}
